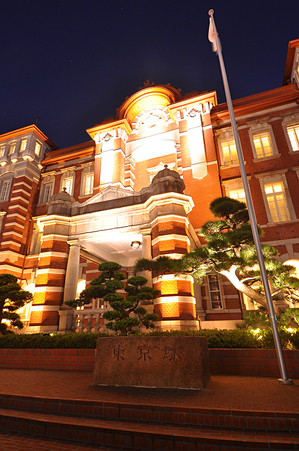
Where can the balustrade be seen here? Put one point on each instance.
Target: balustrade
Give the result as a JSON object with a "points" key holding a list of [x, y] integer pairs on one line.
{"points": [[89, 320]]}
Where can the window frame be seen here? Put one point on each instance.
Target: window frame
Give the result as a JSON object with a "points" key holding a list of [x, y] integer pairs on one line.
{"points": [[218, 291], [39, 146], [2, 149], [47, 179], [12, 147], [232, 162], [260, 136], [225, 135], [296, 137], [63, 185], [259, 130], [7, 191], [23, 140], [234, 185], [45, 187], [277, 212], [84, 178], [68, 173], [266, 179], [289, 120]]}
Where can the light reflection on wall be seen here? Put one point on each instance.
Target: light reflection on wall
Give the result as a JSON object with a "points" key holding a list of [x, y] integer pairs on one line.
{"points": [[80, 287], [294, 263], [106, 167]]}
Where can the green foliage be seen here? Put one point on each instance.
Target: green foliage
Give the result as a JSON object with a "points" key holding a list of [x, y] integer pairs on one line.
{"points": [[74, 303], [68, 340], [290, 318], [121, 318], [126, 315], [260, 319], [162, 265], [216, 339], [255, 320], [12, 297], [230, 251]]}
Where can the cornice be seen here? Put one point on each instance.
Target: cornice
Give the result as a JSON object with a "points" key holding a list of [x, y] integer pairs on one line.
{"points": [[257, 102], [108, 126], [290, 60], [25, 130], [210, 97], [69, 153]]}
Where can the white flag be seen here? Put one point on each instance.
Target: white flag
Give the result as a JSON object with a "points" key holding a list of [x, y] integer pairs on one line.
{"points": [[212, 35]]}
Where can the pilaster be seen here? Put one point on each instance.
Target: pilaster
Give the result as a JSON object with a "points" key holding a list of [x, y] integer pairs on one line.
{"points": [[72, 271], [50, 275]]}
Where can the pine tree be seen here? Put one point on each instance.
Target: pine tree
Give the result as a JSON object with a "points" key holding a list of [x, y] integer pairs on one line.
{"points": [[12, 297], [229, 250], [126, 314]]}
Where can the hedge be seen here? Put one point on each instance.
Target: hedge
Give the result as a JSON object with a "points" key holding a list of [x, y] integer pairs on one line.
{"points": [[217, 338]]}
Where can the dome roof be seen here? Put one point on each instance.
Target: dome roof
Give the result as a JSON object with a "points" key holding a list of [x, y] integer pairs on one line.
{"points": [[166, 172], [150, 96], [63, 196], [167, 180]]}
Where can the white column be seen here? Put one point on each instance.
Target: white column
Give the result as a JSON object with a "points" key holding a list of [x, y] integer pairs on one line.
{"points": [[72, 271]]}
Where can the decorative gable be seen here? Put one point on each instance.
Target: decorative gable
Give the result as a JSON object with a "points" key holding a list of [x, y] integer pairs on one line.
{"points": [[109, 193]]}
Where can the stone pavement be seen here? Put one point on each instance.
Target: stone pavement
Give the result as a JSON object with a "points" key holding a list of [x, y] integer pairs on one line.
{"points": [[239, 399]]}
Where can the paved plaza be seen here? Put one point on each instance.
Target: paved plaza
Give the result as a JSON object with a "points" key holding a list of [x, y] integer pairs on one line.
{"points": [[237, 396]]}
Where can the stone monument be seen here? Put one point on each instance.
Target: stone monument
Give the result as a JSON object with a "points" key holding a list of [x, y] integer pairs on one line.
{"points": [[172, 362]]}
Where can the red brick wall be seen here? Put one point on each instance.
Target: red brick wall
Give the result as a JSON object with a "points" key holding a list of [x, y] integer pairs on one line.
{"points": [[48, 359], [252, 362], [242, 362]]}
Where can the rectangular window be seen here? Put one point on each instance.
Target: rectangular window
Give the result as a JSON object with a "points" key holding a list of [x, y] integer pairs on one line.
{"points": [[277, 201], [229, 152], [12, 148], [37, 148], [293, 132], [23, 145], [214, 290], [48, 187], [68, 184], [2, 150], [263, 145], [88, 184], [238, 194], [5, 188]]}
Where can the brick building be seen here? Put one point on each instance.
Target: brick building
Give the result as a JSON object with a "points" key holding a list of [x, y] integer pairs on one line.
{"points": [[141, 186]]}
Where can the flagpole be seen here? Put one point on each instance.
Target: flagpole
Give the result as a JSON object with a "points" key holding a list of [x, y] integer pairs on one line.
{"points": [[214, 38]]}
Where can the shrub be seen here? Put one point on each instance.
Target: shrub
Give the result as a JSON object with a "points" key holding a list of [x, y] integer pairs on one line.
{"points": [[216, 338], [68, 340]]}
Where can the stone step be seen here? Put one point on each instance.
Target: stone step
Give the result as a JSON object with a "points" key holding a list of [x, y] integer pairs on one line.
{"points": [[120, 434], [183, 416], [10, 441]]}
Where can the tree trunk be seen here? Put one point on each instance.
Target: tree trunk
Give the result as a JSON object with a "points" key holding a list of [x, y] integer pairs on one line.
{"points": [[248, 291]]}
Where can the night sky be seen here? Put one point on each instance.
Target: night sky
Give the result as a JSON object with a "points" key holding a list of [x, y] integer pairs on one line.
{"points": [[73, 63]]}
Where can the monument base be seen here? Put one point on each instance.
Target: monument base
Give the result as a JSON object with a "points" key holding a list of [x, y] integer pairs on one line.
{"points": [[172, 362]]}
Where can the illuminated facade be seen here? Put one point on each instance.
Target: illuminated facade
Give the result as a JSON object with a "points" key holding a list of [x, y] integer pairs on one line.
{"points": [[141, 187]]}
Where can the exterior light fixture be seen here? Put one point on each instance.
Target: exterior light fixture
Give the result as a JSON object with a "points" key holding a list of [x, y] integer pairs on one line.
{"points": [[135, 245]]}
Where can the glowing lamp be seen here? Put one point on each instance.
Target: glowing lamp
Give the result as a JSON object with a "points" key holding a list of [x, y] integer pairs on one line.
{"points": [[135, 245]]}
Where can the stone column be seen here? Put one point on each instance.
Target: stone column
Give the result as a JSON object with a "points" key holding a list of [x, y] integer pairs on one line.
{"points": [[147, 253], [72, 271], [97, 323]]}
